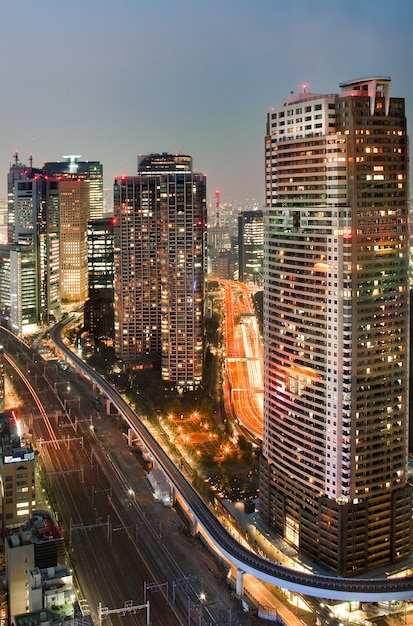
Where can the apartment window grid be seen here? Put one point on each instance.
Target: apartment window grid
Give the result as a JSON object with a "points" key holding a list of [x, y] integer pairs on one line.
{"points": [[183, 270], [352, 152], [156, 235]]}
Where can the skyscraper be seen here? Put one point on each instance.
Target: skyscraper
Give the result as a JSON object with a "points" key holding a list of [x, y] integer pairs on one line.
{"points": [[251, 246], [74, 212], [81, 199], [99, 318], [160, 266], [336, 320], [45, 259], [89, 171]]}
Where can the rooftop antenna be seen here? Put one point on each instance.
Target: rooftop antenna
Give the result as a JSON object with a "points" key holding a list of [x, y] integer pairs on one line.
{"points": [[31, 159], [16, 158]]}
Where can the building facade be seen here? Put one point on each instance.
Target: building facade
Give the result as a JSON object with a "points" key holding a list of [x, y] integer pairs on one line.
{"points": [[333, 480], [74, 214], [251, 247], [37, 543], [19, 288], [91, 172], [160, 266], [99, 317], [47, 214]]}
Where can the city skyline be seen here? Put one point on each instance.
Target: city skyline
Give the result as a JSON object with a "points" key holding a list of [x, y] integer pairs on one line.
{"points": [[110, 81]]}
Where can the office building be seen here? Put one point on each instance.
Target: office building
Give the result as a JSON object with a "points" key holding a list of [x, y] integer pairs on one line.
{"points": [[99, 317], [333, 480], [37, 543], [23, 305], [80, 185], [160, 266], [3, 220], [19, 289], [251, 246], [48, 210], [74, 211], [30, 263], [89, 171]]}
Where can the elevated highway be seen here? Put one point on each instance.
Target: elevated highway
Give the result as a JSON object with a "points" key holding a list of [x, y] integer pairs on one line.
{"points": [[205, 522]]}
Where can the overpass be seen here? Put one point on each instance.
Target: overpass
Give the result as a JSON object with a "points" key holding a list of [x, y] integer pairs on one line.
{"points": [[205, 522]]}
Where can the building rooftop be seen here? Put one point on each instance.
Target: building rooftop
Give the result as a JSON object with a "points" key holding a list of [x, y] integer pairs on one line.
{"points": [[40, 527], [364, 80]]}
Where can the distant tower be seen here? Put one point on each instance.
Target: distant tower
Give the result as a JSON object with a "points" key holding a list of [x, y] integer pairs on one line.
{"points": [[23, 258], [89, 171], [29, 263], [251, 247], [217, 207], [80, 187], [99, 318], [160, 266]]}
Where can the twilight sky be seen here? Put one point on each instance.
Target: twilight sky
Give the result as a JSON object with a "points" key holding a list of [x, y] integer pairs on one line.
{"points": [[108, 79]]}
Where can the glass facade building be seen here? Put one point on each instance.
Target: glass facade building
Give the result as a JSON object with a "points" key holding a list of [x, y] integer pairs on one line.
{"points": [[99, 317], [251, 246], [89, 171]]}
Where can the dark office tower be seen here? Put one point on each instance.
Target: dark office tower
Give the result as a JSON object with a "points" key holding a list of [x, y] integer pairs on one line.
{"points": [[99, 319], [89, 171], [160, 266], [336, 327], [251, 246], [50, 276], [24, 186]]}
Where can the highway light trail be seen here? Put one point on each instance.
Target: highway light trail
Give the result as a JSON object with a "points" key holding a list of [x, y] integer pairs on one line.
{"points": [[53, 440]]}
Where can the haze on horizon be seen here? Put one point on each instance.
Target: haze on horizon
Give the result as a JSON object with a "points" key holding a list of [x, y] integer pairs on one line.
{"points": [[110, 79]]}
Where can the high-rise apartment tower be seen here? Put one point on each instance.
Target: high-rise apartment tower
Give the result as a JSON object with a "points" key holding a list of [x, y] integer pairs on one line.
{"points": [[251, 246], [160, 266], [336, 327]]}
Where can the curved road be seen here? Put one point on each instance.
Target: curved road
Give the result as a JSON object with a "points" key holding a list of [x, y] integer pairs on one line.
{"points": [[244, 358], [365, 590]]}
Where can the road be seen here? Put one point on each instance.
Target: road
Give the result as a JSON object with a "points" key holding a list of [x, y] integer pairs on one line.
{"points": [[244, 381]]}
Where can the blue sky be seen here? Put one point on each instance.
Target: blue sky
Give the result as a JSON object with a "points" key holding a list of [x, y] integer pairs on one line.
{"points": [[108, 79]]}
